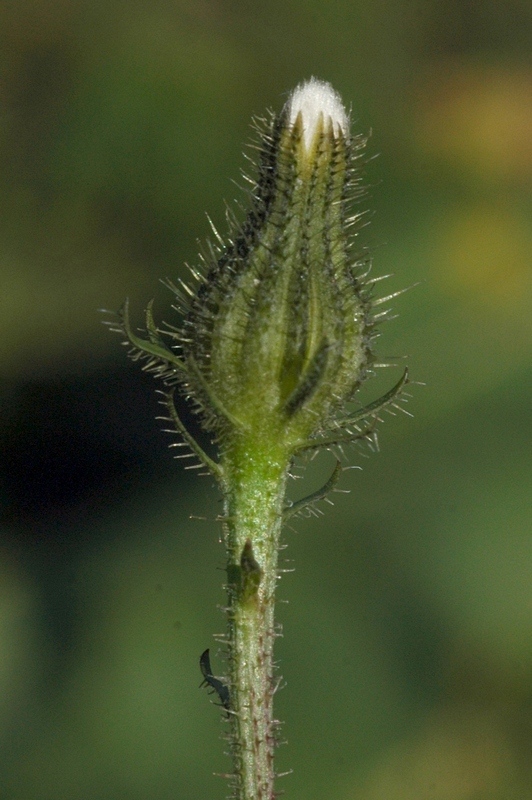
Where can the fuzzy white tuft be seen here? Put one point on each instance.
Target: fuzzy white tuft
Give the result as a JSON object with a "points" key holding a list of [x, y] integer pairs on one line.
{"points": [[315, 99]]}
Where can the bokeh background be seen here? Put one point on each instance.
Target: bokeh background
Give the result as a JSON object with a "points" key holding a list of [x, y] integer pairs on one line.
{"points": [[408, 633]]}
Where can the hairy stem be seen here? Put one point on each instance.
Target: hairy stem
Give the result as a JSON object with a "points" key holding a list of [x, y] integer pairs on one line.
{"points": [[256, 480]]}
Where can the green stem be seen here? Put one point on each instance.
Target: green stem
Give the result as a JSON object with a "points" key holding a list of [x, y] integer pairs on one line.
{"points": [[255, 478]]}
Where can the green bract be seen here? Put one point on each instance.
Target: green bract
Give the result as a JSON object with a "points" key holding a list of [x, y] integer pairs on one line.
{"points": [[280, 330]]}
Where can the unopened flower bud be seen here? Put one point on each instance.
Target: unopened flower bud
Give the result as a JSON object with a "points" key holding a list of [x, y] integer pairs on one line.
{"points": [[279, 332], [277, 338]]}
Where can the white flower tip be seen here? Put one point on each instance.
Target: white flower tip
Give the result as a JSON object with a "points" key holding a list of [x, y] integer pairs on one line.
{"points": [[313, 99]]}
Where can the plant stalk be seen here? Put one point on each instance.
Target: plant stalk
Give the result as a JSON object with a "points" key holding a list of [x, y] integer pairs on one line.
{"points": [[255, 489]]}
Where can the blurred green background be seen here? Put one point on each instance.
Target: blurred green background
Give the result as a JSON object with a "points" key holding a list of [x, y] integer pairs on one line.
{"points": [[408, 633]]}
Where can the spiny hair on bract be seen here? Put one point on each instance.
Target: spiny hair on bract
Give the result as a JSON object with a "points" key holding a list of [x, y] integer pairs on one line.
{"points": [[220, 260]]}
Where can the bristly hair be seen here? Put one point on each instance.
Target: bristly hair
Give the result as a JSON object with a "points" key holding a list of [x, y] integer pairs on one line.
{"points": [[181, 354]]}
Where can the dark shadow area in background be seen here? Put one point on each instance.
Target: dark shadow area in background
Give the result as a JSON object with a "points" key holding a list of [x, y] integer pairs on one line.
{"points": [[74, 450]]}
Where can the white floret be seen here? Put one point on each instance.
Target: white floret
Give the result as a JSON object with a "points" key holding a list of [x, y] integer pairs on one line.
{"points": [[313, 99]]}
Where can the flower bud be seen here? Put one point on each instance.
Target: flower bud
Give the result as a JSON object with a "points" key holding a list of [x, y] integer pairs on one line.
{"points": [[277, 338]]}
